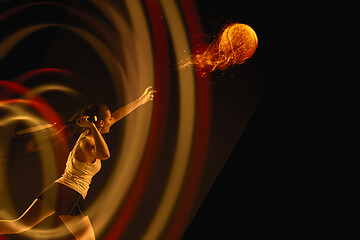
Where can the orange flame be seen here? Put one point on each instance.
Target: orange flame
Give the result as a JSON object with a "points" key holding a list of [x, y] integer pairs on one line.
{"points": [[236, 43]]}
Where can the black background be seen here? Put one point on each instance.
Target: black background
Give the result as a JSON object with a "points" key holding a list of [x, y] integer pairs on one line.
{"points": [[268, 156]]}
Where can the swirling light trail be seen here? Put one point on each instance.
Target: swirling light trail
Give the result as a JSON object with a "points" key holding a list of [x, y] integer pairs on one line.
{"points": [[196, 167], [133, 40], [186, 124]]}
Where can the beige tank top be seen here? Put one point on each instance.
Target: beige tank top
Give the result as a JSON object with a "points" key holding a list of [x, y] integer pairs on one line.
{"points": [[78, 175]]}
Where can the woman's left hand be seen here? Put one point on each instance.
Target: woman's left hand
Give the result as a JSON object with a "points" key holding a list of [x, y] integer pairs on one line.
{"points": [[84, 122], [148, 95]]}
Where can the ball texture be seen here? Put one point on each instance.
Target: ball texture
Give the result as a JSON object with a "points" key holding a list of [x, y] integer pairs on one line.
{"points": [[235, 43]]}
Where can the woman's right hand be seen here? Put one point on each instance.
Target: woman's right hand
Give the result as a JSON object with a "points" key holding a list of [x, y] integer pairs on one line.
{"points": [[148, 95], [84, 122]]}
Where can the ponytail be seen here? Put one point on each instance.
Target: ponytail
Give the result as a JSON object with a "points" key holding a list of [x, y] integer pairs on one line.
{"points": [[69, 129]]}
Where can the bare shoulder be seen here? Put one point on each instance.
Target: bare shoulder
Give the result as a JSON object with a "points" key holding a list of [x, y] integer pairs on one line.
{"points": [[86, 142], [84, 149]]}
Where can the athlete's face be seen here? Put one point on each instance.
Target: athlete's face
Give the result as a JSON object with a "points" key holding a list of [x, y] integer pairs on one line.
{"points": [[106, 123]]}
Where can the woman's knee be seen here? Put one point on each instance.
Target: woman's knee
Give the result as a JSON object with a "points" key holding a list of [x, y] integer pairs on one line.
{"points": [[80, 227], [88, 232]]}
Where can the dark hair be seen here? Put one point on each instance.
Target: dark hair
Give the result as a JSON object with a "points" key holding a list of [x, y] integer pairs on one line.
{"points": [[98, 110], [71, 128]]}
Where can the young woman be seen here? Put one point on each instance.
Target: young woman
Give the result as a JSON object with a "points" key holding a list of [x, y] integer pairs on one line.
{"points": [[83, 163]]}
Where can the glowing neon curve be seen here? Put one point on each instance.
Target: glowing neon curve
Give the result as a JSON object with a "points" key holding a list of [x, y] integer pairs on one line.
{"points": [[156, 135], [32, 73], [8, 43], [47, 155], [15, 113], [186, 201], [35, 101], [186, 125], [22, 78], [100, 29], [12, 11], [40, 105]]}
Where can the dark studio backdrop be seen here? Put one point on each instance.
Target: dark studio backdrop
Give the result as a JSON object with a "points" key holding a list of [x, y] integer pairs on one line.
{"points": [[254, 192]]}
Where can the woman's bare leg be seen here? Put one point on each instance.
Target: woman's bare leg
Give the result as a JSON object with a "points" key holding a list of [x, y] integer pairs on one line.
{"points": [[37, 212], [79, 226]]}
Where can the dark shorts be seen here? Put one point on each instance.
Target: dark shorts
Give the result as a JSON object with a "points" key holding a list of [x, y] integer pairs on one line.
{"points": [[64, 200]]}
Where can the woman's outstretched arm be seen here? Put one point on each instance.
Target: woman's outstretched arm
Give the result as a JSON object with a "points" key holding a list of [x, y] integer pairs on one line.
{"points": [[147, 96]]}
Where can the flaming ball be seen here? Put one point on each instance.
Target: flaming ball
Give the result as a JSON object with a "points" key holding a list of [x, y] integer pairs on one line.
{"points": [[235, 43]]}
